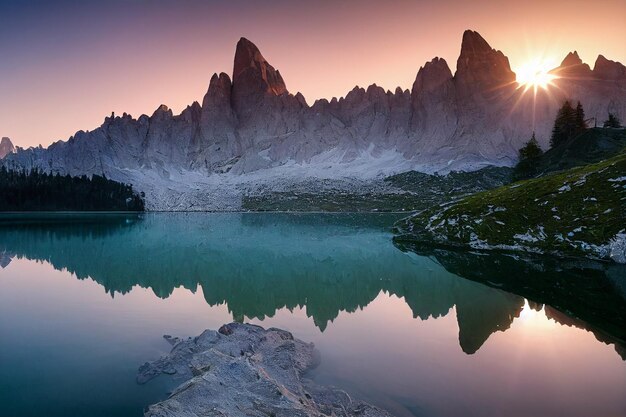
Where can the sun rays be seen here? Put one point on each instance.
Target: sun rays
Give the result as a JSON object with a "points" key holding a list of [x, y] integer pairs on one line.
{"points": [[535, 74]]}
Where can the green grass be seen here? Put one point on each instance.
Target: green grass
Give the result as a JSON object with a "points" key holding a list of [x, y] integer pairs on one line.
{"points": [[574, 212]]}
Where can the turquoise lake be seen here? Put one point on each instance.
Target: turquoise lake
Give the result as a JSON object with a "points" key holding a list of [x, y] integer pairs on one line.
{"points": [[85, 299]]}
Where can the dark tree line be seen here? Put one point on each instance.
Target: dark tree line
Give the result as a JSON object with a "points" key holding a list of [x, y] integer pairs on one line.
{"points": [[569, 123], [40, 191]]}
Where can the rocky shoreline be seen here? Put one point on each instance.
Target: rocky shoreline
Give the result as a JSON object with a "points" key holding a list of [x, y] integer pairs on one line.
{"points": [[243, 370]]}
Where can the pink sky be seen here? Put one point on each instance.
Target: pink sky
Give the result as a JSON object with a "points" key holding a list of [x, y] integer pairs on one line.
{"points": [[65, 67]]}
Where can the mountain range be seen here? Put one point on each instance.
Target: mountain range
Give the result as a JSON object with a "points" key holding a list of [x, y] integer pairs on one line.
{"points": [[250, 132]]}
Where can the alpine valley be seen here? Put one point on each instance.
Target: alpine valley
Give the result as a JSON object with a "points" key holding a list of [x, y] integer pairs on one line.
{"points": [[250, 136]]}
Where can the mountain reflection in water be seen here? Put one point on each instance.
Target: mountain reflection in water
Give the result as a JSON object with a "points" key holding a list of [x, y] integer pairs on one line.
{"points": [[257, 264], [576, 292]]}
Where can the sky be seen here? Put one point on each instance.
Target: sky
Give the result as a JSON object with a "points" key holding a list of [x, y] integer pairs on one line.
{"points": [[66, 64]]}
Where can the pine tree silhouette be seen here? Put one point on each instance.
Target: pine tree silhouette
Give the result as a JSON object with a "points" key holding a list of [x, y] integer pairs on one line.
{"points": [[40, 191]]}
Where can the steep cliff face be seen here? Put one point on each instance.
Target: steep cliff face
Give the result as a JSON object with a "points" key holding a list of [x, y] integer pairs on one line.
{"points": [[6, 147], [215, 144], [482, 71], [605, 69], [573, 67], [252, 130]]}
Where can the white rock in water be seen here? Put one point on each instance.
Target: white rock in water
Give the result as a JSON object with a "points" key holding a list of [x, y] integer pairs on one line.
{"points": [[244, 370]]}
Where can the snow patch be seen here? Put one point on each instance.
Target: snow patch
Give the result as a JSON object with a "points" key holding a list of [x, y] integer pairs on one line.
{"points": [[617, 248], [526, 237], [565, 188]]}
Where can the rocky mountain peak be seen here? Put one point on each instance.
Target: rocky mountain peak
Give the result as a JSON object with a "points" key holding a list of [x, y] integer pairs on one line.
{"points": [[218, 93], [432, 75], [571, 59], [473, 43], [609, 70], [220, 83], [573, 67], [162, 112], [191, 113], [252, 71], [480, 67], [6, 147], [300, 98]]}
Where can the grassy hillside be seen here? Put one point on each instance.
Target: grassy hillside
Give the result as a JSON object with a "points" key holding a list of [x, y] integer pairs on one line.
{"points": [[577, 212]]}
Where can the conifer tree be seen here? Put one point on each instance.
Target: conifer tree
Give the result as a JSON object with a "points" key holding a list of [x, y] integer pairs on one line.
{"points": [[528, 159], [35, 190], [612, 121], [581, 125], [531, 149], [564, 125]]}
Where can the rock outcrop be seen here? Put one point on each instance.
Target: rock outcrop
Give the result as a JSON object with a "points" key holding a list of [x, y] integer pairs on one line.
{"points": [[606, 69], [573, 67], [243, 370], [481, 69], [6, 147], [252, 130], [252, 74]]}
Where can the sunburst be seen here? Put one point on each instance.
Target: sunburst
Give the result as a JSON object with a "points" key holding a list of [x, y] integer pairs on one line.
{"points": [[535, 74]]}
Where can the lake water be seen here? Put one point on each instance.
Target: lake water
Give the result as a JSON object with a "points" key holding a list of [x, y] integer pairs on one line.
{"points": [[86, 299]]}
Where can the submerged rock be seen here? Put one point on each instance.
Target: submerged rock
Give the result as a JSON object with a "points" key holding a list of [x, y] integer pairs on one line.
{"points": [[243, 370]]}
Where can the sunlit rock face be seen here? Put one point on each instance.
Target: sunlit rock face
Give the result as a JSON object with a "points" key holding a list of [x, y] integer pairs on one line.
{"points": [[6, 147], [252, 132]]}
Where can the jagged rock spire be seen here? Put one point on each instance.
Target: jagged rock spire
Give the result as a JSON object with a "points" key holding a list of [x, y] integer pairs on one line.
{"points": [[480, 67], [571, 59], [254, 82], [218, 93], [431, 76], [162, 111], [573, 67], [608, 70], [6, 147], [252, 71], [433, 97]]}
